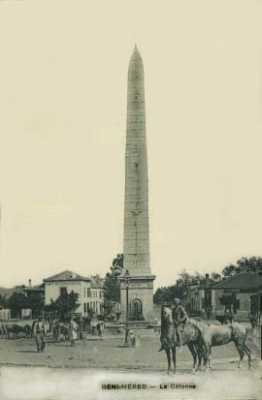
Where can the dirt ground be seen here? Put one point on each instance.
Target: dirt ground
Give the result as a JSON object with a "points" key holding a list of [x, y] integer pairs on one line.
{"points": [[108, 352], [63, 372]]}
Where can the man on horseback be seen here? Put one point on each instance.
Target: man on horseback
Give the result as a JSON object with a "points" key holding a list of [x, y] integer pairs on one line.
{"points": [[180, 318]]}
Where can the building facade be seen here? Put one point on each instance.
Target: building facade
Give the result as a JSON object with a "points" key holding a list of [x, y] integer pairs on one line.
{"points": [[240, 294], [200, 300], [89, 289]]}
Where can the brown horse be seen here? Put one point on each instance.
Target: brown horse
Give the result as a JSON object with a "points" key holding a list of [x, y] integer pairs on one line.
{"points": [[191, 337], [218, 335]]}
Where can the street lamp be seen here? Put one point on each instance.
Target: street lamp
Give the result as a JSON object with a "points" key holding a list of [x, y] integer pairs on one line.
{"points": [[126, 277]]}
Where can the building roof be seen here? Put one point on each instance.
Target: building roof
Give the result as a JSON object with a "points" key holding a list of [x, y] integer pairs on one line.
{"points": [[96, 282], [36, 288], [206, 283], [202, 283], [66, 276], [247, 281]]}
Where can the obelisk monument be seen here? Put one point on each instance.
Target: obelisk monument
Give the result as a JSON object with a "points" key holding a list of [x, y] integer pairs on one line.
{"points": [[136, 216]]}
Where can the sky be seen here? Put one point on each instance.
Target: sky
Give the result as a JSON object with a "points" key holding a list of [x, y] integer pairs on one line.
{"points": [[63, 87]]}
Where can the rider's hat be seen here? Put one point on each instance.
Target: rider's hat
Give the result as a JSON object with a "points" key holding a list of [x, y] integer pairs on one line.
{"points": [[177, 300]]}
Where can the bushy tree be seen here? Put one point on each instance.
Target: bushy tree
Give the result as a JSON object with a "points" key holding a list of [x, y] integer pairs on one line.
{"points": [[216, 277], [36, 303], [182, 286], [117, 265], [16, 302], [166, 294], [3, 301], [230, 270], [244, 264], [112, 283], [64, 305], [111, 288], [251, 264]]}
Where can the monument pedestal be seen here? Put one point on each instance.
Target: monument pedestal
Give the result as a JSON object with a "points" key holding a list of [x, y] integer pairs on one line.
{"points": [[140, 298]]}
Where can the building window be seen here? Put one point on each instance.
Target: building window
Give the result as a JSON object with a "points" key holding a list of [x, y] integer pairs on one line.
{"points": [[63, 291], [88, 292]]}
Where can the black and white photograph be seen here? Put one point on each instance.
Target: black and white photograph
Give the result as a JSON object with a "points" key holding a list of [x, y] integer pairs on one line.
{"points": [[130, 199]]}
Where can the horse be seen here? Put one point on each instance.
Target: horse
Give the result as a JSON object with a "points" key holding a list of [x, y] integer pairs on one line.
{"points": [[13, 331], [218, 335], [191, 337]]}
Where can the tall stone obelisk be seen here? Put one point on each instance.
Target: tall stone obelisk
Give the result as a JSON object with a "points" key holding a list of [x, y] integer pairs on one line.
{"points": [[136, 217]]}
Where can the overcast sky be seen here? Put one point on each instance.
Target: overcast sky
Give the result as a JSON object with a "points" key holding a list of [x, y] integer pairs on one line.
{"points": [[63, 83]]}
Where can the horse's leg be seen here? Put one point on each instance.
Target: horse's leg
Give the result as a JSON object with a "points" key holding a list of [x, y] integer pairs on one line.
{"points": [[206, 350], [241, 353], [168, 360], [199, 355], [209, 357], [174, 357], [248, 353], [194, 355]]}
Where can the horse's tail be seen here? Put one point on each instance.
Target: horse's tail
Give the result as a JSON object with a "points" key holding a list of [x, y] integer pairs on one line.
{"points": [[239, 333]]}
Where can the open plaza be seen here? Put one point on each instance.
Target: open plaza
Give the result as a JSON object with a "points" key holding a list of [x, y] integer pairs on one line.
{"points": [[108, 352], [93, 363]]}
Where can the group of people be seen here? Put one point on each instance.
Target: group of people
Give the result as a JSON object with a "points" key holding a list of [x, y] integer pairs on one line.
{"points": [[70, 331], [40, 332]]}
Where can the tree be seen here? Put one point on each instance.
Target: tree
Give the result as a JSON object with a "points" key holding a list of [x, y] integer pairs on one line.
{"points": [[112, 283], [117, 265], [230, 270], [64, 305], [167, 294], [181, 287], [216, 277], [252, 264], [36, 303], [16, 302], [111, 288], [3, 301], [244, 264]]}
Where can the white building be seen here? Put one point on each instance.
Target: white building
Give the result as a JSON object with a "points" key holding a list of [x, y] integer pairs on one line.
{"points": [[89, 290], [5, 314]]}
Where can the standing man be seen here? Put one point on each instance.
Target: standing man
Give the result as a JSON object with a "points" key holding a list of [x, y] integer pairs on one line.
{"points": [[72, 331], [39, 333], [180, 318]]}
